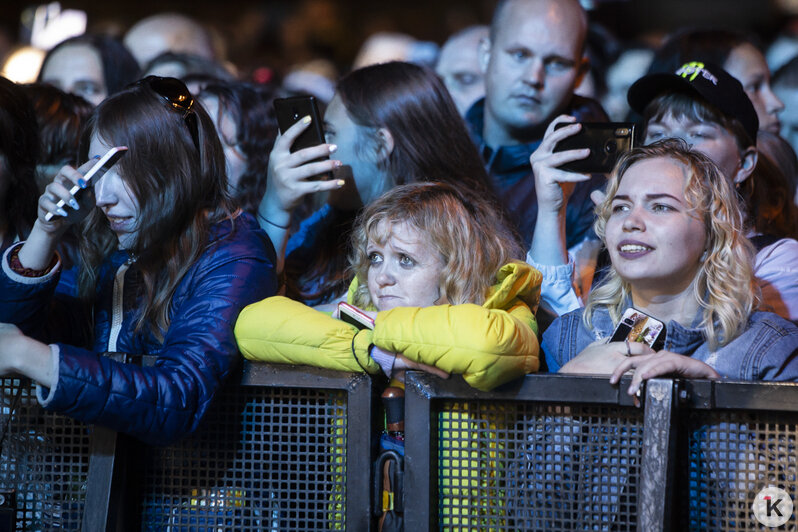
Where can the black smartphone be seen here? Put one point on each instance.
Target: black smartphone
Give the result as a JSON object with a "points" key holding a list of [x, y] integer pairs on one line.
{"points": [[606, 140], [354, 316], [637, 326], [289, 111], [102, 165]]}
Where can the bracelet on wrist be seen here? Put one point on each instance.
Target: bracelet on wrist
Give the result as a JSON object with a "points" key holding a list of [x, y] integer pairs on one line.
{"points": [[272, 223], [18, 268]]}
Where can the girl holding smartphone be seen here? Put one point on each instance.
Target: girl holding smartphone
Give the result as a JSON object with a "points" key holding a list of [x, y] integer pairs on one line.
{"points": [[166, 266], [674, 232], [387, 125]]}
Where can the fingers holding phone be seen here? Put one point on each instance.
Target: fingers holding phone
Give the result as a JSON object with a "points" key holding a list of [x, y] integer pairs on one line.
{"points": [[291, 173], [59, 206], [553, 185], [69, 198]]}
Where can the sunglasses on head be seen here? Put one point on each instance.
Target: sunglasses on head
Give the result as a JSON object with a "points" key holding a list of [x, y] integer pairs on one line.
{"points": [[177, 97]]}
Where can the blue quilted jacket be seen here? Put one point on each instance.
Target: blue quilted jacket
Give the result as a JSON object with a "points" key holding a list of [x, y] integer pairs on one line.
{"points": [[164, 402]]}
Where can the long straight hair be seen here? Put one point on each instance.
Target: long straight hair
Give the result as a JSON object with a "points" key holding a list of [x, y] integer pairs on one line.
{"points": [[431, 143], [252, 110], [180, 187]]}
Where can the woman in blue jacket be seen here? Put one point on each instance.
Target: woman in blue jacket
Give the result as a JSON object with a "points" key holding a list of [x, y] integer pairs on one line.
{"points": [[673, 231], [166, 265]]}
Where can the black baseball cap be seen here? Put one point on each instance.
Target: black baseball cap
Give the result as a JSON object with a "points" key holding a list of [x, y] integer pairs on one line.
{"points": [[708, 81]]}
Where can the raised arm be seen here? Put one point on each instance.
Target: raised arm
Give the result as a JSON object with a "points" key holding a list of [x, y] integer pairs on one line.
{"points": [[288, 182]]}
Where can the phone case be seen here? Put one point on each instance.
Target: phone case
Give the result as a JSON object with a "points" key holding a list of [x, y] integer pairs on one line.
{"points": [[289, 111], [606, 140], [105, 163], [354, 316], [637, 326]]}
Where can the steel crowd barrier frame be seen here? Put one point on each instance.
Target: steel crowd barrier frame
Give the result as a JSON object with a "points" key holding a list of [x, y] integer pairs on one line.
{"points": [[115, 499], [719, 442]]}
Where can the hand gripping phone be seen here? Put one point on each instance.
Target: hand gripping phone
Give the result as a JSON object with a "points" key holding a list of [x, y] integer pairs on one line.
{"points": [[354, 316], [606, 140], [637, 326], [290, 111], [95, 172]]}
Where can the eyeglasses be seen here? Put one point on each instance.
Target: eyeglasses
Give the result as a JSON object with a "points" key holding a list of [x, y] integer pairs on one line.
{"points": [[177, 97]]}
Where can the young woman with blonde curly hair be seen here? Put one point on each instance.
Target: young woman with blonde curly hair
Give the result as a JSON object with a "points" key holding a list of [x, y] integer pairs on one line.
{"points": [[438, 271], [674, 233]]}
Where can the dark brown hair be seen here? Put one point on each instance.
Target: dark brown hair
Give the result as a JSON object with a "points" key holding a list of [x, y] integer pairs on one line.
{"points": [[180, 188], [252, 110], [431, 143]]}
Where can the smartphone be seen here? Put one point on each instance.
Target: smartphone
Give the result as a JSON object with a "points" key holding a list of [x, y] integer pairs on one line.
{"points": [[290, 111], [95, 172], [606, 140], [637, 326], [354, 316]]}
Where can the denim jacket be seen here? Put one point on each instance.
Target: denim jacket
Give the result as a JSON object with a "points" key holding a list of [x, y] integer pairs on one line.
{"points": [[766, 350]]}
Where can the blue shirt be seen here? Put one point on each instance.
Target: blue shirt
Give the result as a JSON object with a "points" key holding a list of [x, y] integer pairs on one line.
{"points": [[766, 350]]}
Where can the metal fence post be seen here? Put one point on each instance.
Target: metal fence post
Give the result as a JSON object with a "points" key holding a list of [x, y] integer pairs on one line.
{"points": [[421, 507], [659, 446], [359, 437]]}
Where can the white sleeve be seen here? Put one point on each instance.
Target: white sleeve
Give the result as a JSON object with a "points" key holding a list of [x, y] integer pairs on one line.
{"points": [[557, 294], [55, 359]]}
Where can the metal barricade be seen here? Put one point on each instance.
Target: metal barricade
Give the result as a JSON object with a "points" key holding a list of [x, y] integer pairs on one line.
{"points": [[547, 452], [291, 448], [44, 460], [735, 440]]}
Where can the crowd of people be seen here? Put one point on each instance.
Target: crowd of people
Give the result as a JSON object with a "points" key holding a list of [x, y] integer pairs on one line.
{"points": [[443, 213]]}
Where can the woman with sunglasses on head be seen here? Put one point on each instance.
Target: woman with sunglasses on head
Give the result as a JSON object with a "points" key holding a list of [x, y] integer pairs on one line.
{"points": [[166, 266]]}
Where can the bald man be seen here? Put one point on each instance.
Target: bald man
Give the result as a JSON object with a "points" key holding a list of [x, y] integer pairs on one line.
{"points": [[168, 32], [533, 60]]}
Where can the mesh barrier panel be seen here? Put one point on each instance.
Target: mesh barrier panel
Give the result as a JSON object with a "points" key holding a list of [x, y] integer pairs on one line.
{"points": [[529, 466], [731, 456], [45, 458], [265, 459]]}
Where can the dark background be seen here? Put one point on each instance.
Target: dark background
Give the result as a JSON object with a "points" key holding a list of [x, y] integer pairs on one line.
{"points": [[278, 33]]}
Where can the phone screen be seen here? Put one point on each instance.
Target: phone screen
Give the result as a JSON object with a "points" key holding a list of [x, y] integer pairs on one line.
{"points": [[354, 316]]}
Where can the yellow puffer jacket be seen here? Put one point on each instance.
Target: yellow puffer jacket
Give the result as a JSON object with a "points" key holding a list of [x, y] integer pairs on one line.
{"points": [[488, 344]]}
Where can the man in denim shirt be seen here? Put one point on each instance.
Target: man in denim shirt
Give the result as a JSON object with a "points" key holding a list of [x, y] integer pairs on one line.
{"points": [[532, 61]]}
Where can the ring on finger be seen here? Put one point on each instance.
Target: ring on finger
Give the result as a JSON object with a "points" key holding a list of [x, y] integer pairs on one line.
{"points": [[628, 348]]}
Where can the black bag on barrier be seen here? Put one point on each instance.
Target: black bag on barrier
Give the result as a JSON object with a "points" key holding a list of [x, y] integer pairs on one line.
{"points": [[389, 467], [388, 476]]}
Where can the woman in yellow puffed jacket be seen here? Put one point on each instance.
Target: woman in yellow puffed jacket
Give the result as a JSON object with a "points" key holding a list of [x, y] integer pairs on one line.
{"points": [[437, 271]]}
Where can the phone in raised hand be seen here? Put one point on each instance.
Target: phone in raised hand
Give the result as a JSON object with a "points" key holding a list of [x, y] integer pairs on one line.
{"points": [[95, 172], [289, 111]]}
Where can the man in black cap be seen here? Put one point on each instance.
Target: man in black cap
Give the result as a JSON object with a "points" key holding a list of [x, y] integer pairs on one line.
{"points": [[707, 108]]}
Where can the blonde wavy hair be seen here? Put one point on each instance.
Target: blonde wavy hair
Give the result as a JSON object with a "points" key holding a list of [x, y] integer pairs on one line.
{"points": [[724, 285], [468, 232]]}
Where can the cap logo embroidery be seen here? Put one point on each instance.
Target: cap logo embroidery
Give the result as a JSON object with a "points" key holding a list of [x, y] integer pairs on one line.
{"points": [[691, 70]]}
